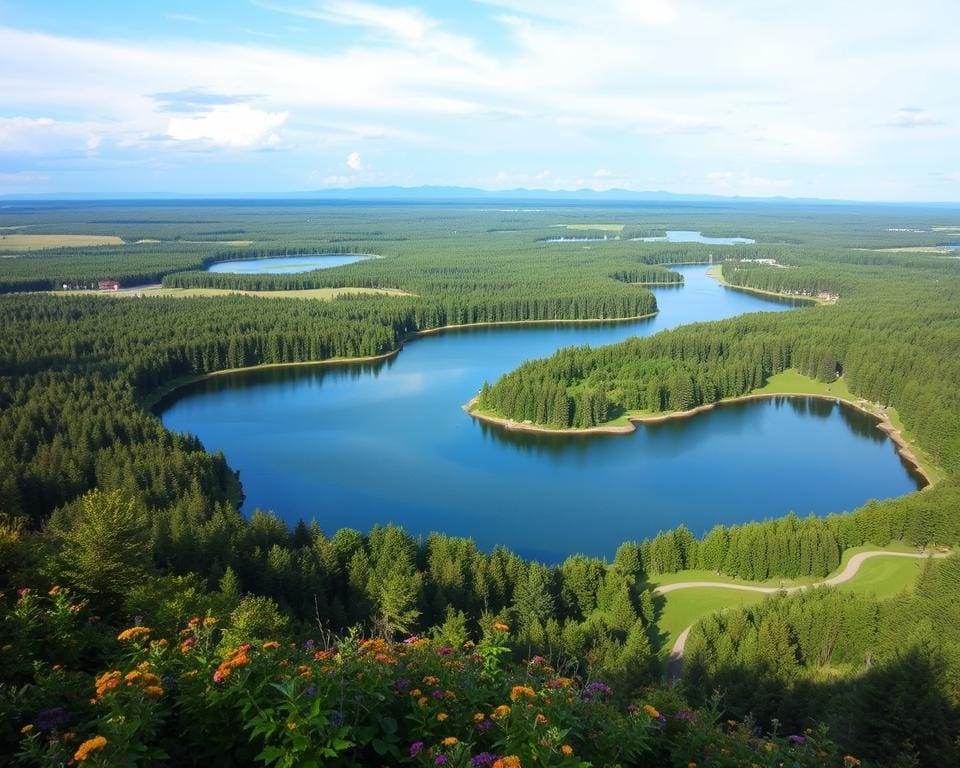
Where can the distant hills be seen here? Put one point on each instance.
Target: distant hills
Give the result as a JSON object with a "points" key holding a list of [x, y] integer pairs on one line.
{"points": [[431, 193]]}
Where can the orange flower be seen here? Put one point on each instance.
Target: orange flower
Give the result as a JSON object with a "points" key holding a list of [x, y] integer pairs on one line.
{"points": [[154, 691], [567, 750], [850, 760], [479, 717], [501, 627], [89, 746], [450, 741], [652, 711], [500, 712], [522, 690], [510, 761], [270, 645], [441, 716], [28, 728], [431, 680], [541, 720], [134, 633]]}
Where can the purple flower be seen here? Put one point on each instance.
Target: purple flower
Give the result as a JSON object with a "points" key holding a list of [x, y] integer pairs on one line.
{"points": [[53, 719], [662, 718], [445, 650], [596, 688], [310, 691], [440, 760], [137, 620], [309, 644], [485, 726], [23, 592], [797, 740], [415, 748], [411, 640], [403, 684], [632, 708], [484, 758], [684, 714], [438, 694]]}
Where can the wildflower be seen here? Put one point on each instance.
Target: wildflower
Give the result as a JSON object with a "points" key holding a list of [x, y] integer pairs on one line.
{"points": [[416, 748], [437, 694], [500, 712], [450, 741], [479, 717], [691, 765], [537, 660], [271, 645], [291, 726], [500, 627], [23, 592], [440, 760], [53, 719], [541, 720], [684, 714], [134, 634], [89, 746], [485, 726], [411, 640], [431, 680], [652, 711], [28, 728], [800, 740], [209, 621], [54, 591], [441, 716], [510, 761], [444, 650], [337, 719], [567, 750], [484, 758], [850, 760], [632, 709], [401, 684], [521, 690], [154, 691], [415, 693]]}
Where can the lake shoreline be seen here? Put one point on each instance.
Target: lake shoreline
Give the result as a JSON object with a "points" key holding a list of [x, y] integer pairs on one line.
{"points": [[716, 273], [151, 401], [904, 450]]}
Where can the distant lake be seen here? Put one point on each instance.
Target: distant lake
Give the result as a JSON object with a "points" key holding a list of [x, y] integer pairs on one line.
{"points": [[689, 236], [360, 444], [285, 264]]}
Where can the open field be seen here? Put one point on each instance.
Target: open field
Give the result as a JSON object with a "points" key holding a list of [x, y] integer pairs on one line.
{"points": [[322, 294], [18, 242], [917, 249], [597, 227]]}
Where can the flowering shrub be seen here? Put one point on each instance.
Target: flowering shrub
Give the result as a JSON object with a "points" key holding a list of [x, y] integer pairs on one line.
{"points": [[202, 698]]}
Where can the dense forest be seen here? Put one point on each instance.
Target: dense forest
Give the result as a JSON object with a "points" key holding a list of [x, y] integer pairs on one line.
{"points": [[124, 556]]}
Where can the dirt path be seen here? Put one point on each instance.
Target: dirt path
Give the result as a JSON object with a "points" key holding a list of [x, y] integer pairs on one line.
{"points": [[675, 660]]}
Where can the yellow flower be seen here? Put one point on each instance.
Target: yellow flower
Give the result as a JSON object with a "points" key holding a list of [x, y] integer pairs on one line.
{"points": [[450, 741], [652, 711], [479, 717], [89, 746], [567, 750], [691, 765], [291, 726], [153, 690], [431, 680], [28, 728], [441, 716], [134, 633], [270, 645], [502, 711]]}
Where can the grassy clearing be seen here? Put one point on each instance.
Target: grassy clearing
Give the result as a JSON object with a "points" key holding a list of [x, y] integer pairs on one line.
{"points": [[322, 294], [18, 242], [792, 382], [917, 249], [597, 227], [881, 576]]}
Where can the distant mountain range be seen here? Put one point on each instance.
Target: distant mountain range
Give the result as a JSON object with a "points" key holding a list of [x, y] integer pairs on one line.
{"points": [[429, 193]]}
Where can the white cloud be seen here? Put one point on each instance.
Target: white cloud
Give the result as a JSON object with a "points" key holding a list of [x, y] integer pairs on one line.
{"points": [[43, 135], [354, 163], [230, 125], [914, 117]]}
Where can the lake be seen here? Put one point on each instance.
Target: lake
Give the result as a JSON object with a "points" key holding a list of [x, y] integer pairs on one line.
{"points": [[285, 265], [360, 444], [689, 236]]}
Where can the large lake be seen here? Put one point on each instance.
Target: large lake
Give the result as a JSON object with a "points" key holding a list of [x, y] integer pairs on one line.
{"points": [[354, 445], [285, 265]]}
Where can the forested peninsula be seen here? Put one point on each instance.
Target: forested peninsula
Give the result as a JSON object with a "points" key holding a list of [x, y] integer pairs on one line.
{"points": [[147, 621]]}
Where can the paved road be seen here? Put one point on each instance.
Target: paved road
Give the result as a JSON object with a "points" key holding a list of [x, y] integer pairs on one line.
{"points": [[675, 660]]}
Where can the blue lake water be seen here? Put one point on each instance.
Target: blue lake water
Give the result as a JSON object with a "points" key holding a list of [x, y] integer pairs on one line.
{"points": [[360, 444], [689, 236], [285, 264]]}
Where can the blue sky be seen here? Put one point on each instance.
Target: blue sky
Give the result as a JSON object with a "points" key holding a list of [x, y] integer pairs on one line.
{"points": [[854, 99]]}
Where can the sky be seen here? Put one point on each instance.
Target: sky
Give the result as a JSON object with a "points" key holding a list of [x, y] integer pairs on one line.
{"points": [[851, 99]]}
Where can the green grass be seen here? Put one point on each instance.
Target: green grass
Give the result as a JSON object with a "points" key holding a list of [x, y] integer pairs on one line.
{"points": [[598, 227], [322, 294], [881, 576], [792, 382]]}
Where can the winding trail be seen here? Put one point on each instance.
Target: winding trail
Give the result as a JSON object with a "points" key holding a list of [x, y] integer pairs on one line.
{"points": [[675, 660]]}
